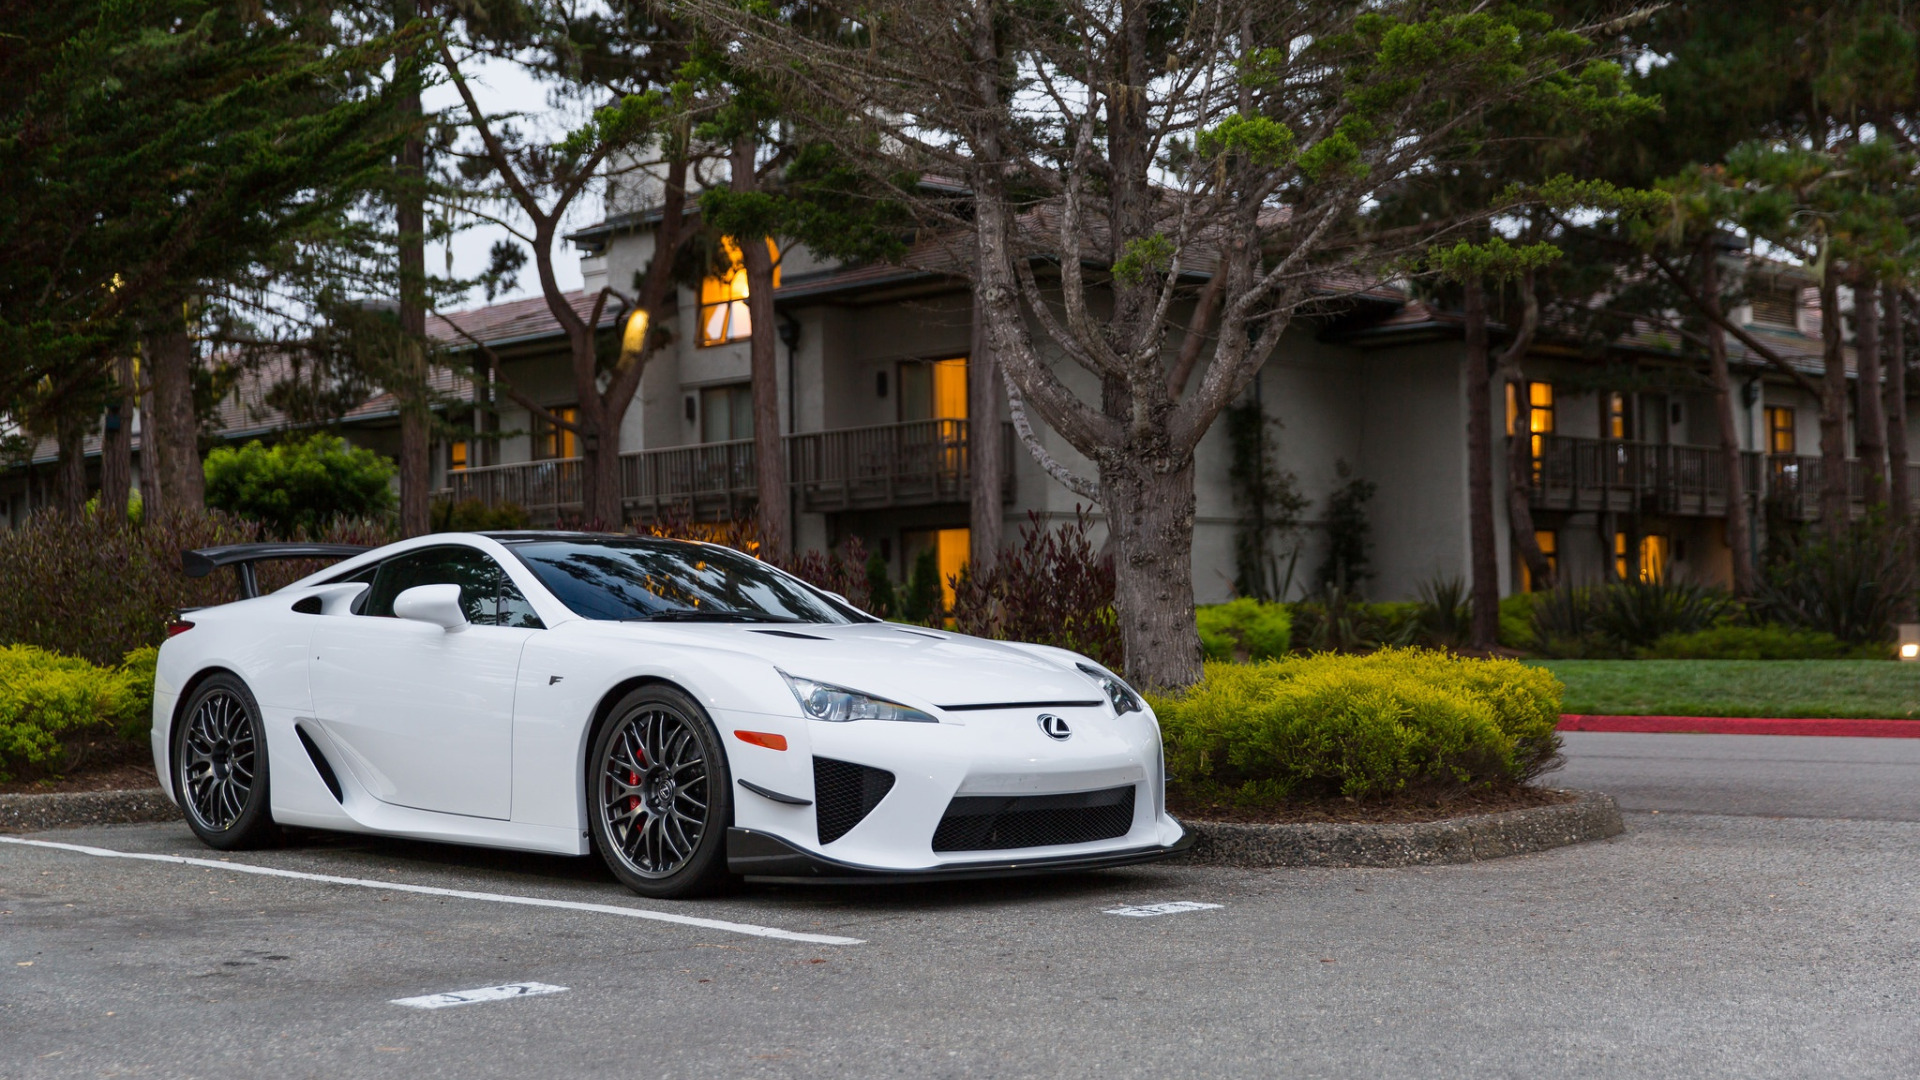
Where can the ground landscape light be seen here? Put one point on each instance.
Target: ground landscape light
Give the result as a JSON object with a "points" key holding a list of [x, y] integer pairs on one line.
{"points": [[1910, 641]]}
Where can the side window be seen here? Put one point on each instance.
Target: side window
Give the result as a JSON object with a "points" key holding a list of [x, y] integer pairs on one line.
{"points": [[487, 594]]}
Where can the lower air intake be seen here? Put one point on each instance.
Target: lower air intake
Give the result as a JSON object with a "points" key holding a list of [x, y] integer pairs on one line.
{"points": [[844, 794], [998, 822]]}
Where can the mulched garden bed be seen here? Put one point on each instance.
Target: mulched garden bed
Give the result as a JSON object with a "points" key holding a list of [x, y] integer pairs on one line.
{"points": [[102, 763], [1404, 809]]}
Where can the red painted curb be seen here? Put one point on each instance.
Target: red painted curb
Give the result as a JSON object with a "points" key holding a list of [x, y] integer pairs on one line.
{"points": [[1743, 725]]}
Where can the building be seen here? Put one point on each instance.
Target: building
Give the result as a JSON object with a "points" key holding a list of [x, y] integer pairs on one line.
{"points": [[1628, 478]]}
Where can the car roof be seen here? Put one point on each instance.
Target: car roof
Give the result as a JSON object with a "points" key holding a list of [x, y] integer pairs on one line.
{"points": [[537, 536]]}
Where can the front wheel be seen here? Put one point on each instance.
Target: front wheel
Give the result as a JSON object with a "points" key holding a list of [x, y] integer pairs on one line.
{"points": [[658, 795], [220, 767]]}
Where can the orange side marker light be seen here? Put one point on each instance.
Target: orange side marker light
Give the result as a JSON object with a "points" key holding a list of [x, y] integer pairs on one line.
{"points": [[762, 738]]}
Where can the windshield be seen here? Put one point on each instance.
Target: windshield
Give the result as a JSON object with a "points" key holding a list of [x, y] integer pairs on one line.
{"points": [[668, 580]]}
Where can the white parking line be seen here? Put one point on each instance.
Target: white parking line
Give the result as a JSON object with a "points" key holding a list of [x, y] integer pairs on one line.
{"points": [[459, 894], [1171, 907], [485, 993]]}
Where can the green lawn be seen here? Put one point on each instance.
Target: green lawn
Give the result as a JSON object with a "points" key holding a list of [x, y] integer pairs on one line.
{"points": [[1837, 688]]}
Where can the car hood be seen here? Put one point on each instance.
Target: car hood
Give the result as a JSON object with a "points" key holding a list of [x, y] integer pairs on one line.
{"points": [[913, 665]]}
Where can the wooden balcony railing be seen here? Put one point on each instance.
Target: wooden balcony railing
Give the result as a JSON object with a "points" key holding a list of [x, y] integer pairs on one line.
{"points": [[920, 463], [1576, 474]]}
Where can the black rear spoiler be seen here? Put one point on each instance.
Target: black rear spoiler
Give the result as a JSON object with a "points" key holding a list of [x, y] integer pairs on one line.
{"points": [[200, 562]]}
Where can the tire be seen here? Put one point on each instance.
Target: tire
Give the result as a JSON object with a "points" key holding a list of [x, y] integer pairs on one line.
{"points": [[220, 766], [658, 772]]}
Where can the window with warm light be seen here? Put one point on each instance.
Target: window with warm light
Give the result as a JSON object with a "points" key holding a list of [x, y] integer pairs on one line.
{"points": [[723, 297], [1549, 542], [1654, 552], [1620, 556], [1780, 429], [933, 390], [1616, 415], [1539, 421], [951, 548], [457, 455], [552, 441]]}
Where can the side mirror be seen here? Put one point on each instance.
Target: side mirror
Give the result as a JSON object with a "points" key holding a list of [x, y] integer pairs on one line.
{"points": [[436, 604]]}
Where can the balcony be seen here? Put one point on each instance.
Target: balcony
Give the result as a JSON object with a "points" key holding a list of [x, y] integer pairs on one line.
{"points": [[1610, 475], [920, 463]]}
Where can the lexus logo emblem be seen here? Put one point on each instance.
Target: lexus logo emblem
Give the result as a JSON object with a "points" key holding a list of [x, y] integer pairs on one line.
{"points": [[1055, 726]]}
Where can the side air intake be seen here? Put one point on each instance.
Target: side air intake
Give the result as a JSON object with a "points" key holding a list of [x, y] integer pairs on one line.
{"points": [[320, 763], [844, 794]]}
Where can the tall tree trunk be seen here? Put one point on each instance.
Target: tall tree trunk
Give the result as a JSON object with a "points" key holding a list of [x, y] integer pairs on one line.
{"points": [[70, 488], [410, 235], [1739, 525], [769, 449], [152, 500], [1835, 499], [1150, 515], [1870, 407], [174, 427], [985, 460], [1899, 485], [116, 445], [1484, 629], [1520, 462]]}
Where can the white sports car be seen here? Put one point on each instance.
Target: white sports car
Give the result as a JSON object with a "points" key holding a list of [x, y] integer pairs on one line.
{"points": [[689, 711]]}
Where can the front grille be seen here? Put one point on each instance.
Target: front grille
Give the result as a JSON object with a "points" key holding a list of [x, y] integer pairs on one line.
{"points": [[844, 793], [997, 822]]}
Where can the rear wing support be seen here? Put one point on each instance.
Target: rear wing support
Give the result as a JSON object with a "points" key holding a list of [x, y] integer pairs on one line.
{"points": [[200, 562]]}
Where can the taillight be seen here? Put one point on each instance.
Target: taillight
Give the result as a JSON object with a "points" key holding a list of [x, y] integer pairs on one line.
{"points": [[178, 627]]}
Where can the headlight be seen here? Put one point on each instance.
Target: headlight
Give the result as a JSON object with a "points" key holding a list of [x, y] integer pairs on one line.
{"points": [[839, 704], [1120, 694]]}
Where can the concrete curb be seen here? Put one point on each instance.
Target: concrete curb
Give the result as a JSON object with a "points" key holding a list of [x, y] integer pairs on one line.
{"points": [[27, 813], [1592, 816]]}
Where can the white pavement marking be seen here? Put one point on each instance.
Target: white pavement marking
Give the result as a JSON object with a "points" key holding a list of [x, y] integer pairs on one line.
{"points": [[1171, 907], [485, 993], [459, 894]]}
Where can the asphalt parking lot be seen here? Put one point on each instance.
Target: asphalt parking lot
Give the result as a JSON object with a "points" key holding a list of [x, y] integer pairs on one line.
{"points": [[1723, 942]]}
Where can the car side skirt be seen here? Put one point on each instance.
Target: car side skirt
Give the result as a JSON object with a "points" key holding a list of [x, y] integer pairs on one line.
{"points": [[759, 856]]}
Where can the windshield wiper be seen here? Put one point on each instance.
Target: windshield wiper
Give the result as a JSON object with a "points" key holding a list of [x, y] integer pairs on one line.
{"points": [[695, 615]]}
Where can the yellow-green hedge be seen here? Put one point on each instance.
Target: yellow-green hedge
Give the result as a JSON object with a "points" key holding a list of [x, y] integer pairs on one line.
{"points": [[1360, 726], [44, 695]]}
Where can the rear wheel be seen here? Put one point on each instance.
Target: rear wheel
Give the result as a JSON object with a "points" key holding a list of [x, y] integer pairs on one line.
{"points": [[658, 795], [220, 766]]}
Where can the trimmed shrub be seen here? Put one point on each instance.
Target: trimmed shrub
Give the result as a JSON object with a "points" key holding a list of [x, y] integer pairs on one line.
{"points": [[299, 486], [1516, 620], [87, 587], [1244, 629], [1758, 643], [1364, 727], [44, 696]]}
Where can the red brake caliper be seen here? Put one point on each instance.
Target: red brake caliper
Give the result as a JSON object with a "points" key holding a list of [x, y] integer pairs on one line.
{"points": [[633, 780]]}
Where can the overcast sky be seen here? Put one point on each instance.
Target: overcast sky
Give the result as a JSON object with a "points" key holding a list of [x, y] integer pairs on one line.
{"points": [[502, 87]]}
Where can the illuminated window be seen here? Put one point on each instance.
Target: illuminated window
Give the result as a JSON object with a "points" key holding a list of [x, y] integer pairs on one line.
{"points": [[550, 440], [1513, 408], [723, 297], [726, 413], [1780, 429], [950, 547], [1539, 421], [933, 390], [1620, 556], [1653, 558], [457, 455], [1616, 415], [1549, 542]]}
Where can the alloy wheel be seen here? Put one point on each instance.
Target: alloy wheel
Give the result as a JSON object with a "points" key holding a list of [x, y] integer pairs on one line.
{"points": [[219, 767], [653, 790]]}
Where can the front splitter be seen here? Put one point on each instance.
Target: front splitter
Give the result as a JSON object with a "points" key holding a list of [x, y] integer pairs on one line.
{"points": [[759, 856]]}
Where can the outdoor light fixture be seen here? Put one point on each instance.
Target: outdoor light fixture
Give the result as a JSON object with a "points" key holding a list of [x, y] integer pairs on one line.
{"points": [[1910, 641]]}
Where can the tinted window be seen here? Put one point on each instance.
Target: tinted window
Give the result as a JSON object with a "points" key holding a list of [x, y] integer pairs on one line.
{"points": [[665, 579], [487, 595]]}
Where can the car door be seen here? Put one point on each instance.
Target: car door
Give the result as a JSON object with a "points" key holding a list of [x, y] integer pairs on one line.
{"points": [[425, 715]]}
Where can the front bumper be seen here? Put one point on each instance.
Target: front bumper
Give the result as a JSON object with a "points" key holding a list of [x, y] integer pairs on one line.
{"points": [[760, 856]]}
